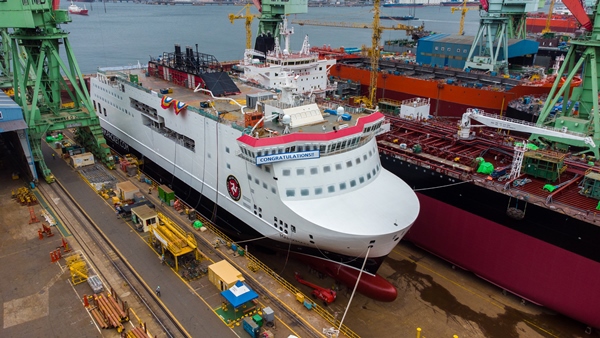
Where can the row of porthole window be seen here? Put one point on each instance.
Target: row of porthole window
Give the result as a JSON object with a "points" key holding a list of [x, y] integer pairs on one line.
{"points": [[107, 91], [291, 192], [258, 183], [326, 168], [283, 226], [103, 110]]}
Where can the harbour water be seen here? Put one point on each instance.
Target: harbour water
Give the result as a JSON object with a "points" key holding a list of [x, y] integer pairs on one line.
{"points": [[121, 34]]}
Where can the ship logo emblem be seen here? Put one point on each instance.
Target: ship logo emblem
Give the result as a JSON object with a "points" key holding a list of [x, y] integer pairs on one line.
{"points": [[233, 188]]}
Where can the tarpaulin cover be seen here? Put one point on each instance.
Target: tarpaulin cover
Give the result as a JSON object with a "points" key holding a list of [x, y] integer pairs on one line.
{"points": [[219, 83], [485, 168], [239, 294]]}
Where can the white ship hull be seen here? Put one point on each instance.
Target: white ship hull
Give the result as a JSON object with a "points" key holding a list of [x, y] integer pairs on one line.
{"points": [[374, 214]]}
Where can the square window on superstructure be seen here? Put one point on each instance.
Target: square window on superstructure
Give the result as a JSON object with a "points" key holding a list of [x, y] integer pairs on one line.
{"points": [[304, 192], [273, 190], [293, 228], [353, 183], [343, 186], [374, 172], [256, 181], [267, 169], [286, 172], [358, 160], [249, 177], [265, 185], [228, 166], [361, 179], [370, 153], [300, 171], [227, 149], [326, 169], [338, 166], [290, 192], [331, 189], [348, 164], [365, 157], [318, 191], [368, 176], [314, 171]]}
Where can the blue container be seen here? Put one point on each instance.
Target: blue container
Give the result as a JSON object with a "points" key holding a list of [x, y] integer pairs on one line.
{"points": [[346, 117], [331, 111], [450, 81], [233, 247]]}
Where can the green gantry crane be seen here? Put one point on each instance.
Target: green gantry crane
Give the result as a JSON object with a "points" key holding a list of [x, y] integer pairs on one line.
{"points": [[271, 17], [579, 113], [39, 75]]}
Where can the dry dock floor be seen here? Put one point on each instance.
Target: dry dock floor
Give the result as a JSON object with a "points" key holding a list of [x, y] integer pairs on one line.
{"points": [[39, 301]]}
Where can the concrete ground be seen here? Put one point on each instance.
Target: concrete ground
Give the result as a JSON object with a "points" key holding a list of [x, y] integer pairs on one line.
{"points": [[36, 296]]}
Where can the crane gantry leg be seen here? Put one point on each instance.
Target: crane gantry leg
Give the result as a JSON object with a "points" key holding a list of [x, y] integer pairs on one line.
{"points": [[39, 82]]}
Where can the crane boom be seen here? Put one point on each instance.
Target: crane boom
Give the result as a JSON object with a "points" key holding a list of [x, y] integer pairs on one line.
{"points": [[578, 11], [496, 121], [398, 27]]}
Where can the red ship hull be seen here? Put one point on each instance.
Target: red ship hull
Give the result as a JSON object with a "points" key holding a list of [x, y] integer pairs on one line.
{"points": [[559, 23], [524, 265], [446, 99]]}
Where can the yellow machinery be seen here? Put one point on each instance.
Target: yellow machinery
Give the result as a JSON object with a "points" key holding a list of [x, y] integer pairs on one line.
{"points": [[549, 18], [463, 12], [78, 268], [374, 51], [249, 17], [174, 239]]}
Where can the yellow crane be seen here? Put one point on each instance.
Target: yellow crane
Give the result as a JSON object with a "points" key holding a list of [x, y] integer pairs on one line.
{"points": [[248, 17], [374, 50], [398, 27], [549, 18], [463, 12]]}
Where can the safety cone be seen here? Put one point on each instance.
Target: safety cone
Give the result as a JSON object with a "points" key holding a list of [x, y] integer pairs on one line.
{"points": [[85, 301], [52, 257], [40, 234]]}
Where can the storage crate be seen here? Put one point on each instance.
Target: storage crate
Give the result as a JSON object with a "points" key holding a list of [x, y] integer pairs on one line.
{"points": [[95, 283]]}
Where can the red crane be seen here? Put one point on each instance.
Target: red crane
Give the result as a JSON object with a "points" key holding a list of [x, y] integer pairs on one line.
{"points": [[578, 11], [326, 295]]}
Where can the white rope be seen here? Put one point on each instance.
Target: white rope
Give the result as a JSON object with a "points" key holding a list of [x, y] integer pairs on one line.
{"points": [[442, 186]]}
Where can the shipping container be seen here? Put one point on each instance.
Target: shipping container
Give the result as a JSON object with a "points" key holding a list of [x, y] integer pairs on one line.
{"points": [[82, 160]]}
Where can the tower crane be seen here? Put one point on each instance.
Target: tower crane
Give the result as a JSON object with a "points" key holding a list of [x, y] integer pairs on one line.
{"points": [[549, 18], [248, 19], [463, 12], [35, 28], [374, 50]]}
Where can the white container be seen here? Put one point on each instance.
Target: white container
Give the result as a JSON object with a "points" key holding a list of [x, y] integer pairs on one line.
{"points": [[82, 160]]}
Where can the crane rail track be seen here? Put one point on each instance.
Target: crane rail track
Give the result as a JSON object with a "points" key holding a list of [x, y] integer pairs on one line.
{"points": [[87, 233]]}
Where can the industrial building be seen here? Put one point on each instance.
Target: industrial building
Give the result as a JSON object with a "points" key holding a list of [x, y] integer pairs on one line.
{"points": [[14, 133], [452, 50]]}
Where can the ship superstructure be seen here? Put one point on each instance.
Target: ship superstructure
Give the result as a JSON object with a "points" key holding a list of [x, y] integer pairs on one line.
{"points": [[269, 70]]}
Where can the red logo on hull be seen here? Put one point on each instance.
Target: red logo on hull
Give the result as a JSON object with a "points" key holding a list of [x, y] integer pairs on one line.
{"points": [[233, 187]]}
